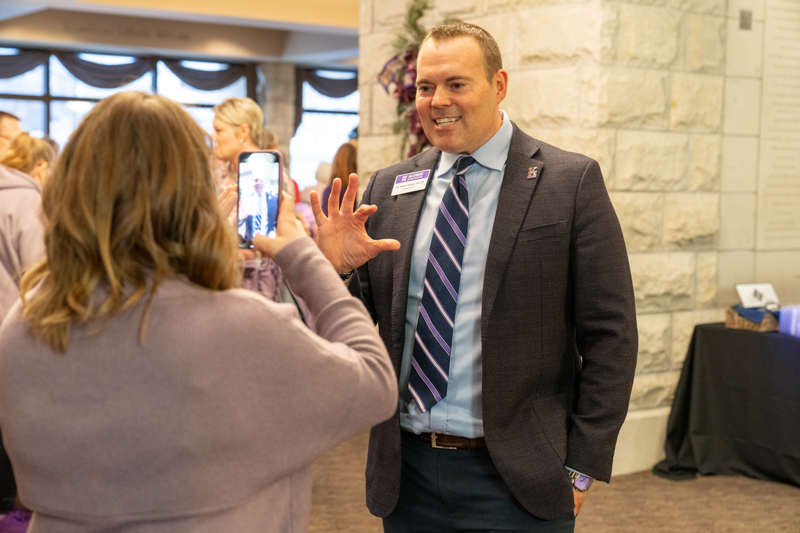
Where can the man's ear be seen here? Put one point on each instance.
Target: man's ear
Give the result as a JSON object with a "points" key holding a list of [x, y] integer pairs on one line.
{"points": [[501, 85]]}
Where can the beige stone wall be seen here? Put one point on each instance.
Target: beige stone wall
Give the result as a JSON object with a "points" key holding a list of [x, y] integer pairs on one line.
{"points": [[662, 93]]}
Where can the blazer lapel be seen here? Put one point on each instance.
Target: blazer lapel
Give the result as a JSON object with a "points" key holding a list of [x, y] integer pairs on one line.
{"points": [[407, 209], [519, 182]]}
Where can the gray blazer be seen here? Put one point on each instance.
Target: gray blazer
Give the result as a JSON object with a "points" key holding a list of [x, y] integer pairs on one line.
{"points": [[558, 323]]}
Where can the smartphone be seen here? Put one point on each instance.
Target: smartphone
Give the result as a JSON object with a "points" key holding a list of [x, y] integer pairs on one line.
{"points": [[260, 194]]}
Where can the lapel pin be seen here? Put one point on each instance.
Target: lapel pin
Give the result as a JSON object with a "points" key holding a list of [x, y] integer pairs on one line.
{"points": [[533, 172]]}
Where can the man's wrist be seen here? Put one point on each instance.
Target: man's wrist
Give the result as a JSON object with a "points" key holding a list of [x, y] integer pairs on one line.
{"points": [[580, 482]]}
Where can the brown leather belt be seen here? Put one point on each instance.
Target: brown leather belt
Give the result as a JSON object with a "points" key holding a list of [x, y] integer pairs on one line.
{"points": [[448, 442]]}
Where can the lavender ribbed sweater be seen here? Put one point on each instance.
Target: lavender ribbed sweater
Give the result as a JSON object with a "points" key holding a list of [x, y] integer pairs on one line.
{"points": [[210, 425]]}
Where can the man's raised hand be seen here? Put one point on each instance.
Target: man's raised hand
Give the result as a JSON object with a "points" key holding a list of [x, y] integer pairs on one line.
{"points": [[341, 235]]}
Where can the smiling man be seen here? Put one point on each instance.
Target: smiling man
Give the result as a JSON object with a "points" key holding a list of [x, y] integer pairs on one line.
{"points": [[506, 304]]}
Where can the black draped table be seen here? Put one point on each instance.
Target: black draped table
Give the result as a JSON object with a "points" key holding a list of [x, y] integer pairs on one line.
{"points": [[736, 408]]}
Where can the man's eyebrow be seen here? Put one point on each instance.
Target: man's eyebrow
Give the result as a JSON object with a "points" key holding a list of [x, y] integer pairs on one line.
{"points": [[448, 80]]}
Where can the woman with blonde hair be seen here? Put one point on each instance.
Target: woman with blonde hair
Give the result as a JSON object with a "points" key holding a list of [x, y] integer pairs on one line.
{"points": [[238, 127], [24, 167], [139, 389], [30, 155]]}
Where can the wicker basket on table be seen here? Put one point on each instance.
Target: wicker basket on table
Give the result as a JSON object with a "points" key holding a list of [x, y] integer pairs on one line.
{"points": [[734, 321]]}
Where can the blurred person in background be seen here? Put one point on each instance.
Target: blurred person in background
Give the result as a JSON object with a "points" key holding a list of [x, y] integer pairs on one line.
{"points": [[323, 180], [323, 176], [140, 390], [344, 164], [271, 140], [24, 167], [26, 164], [9, 127], [31, 155]]}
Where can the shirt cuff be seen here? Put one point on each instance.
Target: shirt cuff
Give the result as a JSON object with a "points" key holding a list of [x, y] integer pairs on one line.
{"points": [[579, 473]]}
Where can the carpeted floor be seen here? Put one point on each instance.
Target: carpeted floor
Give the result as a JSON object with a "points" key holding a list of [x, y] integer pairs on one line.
{"points": [[338, 495], [636, 503]]}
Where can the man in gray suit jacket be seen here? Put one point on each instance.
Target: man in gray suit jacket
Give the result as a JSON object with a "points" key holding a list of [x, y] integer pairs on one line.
{"points": [[505, 301]]}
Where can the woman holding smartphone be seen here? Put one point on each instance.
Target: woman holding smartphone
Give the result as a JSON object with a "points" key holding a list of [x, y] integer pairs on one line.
{"points": [[139, 389], [239, 128]]}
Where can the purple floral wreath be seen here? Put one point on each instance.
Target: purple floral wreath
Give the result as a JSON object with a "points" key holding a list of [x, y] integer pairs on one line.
{"points": [[401, 71]]}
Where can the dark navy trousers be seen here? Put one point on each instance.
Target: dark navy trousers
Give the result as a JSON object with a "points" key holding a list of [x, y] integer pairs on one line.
{"points": [[459, 490]]}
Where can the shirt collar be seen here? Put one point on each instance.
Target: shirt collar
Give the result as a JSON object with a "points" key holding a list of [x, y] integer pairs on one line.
{"points": [[492, 154]]}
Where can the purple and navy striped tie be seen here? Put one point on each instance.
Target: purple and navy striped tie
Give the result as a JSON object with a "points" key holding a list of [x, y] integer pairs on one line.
{"points": [[430, 360]]}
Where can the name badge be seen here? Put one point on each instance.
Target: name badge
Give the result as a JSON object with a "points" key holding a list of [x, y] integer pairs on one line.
{"points": [[415, 181]]}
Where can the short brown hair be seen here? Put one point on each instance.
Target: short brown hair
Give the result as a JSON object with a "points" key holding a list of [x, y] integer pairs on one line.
{"points": [[129, 204], [493, 61]]}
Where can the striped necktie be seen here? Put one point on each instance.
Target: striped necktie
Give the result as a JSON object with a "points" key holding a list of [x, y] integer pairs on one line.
{"points": [[430, 360], [259, 211]]}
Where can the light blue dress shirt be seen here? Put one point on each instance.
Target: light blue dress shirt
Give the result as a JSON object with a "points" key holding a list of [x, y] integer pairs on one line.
{"points": [[459, 412]]}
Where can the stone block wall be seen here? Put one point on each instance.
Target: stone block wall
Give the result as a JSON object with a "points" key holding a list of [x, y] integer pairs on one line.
{"points": [[664, 66]]}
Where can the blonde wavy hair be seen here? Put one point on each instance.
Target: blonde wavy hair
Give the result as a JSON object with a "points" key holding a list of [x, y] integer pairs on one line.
{"points": [[239, 111], [129, 204], [25, 152]]}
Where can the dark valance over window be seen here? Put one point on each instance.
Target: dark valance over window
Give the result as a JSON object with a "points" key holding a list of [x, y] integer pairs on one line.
{"points": [[113, 76], [18, 64], [51, 91], [105, 76], [205, 80], [331, 88]]}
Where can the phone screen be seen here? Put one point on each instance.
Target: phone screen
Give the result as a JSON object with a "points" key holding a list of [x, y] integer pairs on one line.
{"points": [[259, 195]]}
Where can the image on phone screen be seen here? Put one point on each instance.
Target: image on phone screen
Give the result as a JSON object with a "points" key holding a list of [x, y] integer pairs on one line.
{"points": [[259, 195]]}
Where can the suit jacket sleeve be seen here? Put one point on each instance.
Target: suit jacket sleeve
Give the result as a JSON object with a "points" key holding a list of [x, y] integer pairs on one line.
{"points": [[605, 328], [360, 283]]}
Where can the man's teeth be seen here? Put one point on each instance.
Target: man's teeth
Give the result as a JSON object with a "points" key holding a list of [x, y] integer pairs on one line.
{"points": [[447, 121]]}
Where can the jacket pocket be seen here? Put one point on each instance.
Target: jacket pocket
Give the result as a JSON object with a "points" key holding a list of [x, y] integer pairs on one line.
{"points": [[553, 414], [543, 231]]}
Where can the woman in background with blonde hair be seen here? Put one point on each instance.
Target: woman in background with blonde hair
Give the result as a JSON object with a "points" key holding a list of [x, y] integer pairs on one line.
{"points": [[238, 127], [24, 168], [30, 155], [139, 389]]}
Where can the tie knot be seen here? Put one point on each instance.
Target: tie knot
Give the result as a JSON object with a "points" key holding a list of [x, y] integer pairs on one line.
{"points": [[463, 164]]}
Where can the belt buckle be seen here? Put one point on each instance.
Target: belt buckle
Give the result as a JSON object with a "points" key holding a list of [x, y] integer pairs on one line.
{"points": [[434, 445]]}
